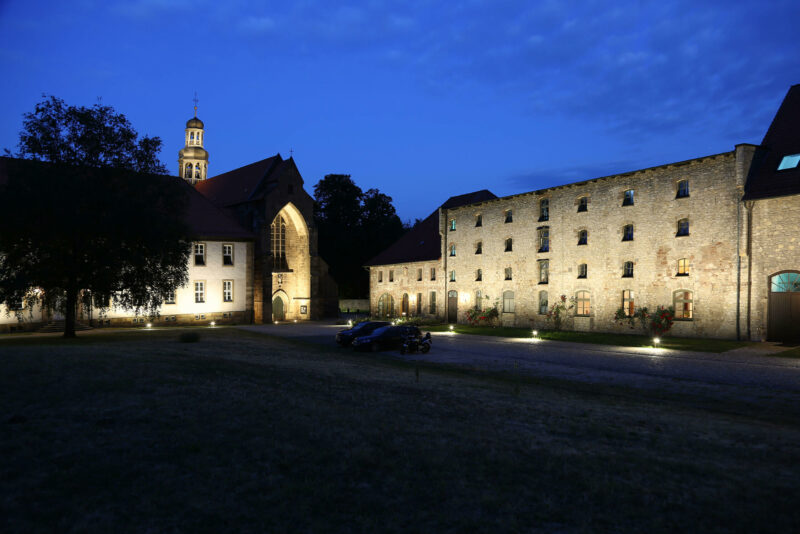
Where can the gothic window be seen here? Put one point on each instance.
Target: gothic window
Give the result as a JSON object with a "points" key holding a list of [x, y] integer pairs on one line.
{"points": [[508, 302], [683, 228], [627, 232], [683, 189], [683, 267], [544, 271], [544, 238], [542, 302], [628, 199], [278, 240], [583, 237], [627, 269], [544, 209], [582, 270], [683, 303], [583, 303], [628, 302]]}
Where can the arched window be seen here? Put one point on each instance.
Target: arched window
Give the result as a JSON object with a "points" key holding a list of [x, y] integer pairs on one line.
{"points": [[197, 171], [508, 302], [278, 240], [453, 249], [683, 303], [386, 306], [628, 302], [627, 200], [627, 269], [683, 228], [583, 237], [785, 283], [191, 138], [583, 303], [544, 209], [188, 172], [543, 303]]}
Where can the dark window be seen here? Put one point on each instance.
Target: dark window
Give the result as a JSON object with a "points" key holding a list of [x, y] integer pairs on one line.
{"points": [[278, 235], [627, 232], [199, 254], [478, 220], [582, 270], [432, 307], [542, 302], [583, 204], [227, 254], [380, 276], [508, 273], [544, 209], [478, 275], [508, 302], [509, 245], [683, 189], [419, 275], [683, 228], [544, 271], [479, 248], [627, 269], [509, 216], [391, 276], [453, 249], [628, 200], [452, 225], [544, 239], [433, 273], [583, 237]]}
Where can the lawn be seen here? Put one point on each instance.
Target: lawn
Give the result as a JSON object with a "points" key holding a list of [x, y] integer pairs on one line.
{"points": [[599, 338], [136, 432]]}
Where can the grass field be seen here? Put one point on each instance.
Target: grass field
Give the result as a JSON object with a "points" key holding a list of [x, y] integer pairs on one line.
{"points": [[136, 432]]}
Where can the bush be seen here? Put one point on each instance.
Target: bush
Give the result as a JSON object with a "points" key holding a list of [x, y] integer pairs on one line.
{"points": [[559, 310], [189, 337], [662, 320]]}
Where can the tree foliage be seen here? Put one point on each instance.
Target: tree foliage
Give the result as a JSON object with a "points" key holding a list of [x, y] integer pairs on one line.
{"points": [[81, 224], [353, 226]]}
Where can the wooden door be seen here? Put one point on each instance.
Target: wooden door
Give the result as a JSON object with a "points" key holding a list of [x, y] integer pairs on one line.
{"points": [[452, 307]]}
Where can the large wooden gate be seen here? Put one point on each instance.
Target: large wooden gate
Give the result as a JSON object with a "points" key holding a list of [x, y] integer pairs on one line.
{"points": [[783, 315], [452, 307]]}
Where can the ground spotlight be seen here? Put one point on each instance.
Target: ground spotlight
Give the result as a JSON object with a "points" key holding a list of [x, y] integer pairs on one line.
{"points": [[451, 328], [149, 325], [656, 341], [213, 323]]}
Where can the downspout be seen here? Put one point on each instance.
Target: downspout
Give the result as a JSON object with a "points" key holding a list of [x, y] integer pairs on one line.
{"points": [[749, 206], [738, 269], [443, 252]]}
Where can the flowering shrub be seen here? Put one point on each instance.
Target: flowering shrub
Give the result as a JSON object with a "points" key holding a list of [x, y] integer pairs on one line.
{"points": [[657, 323], [559, 310], [476, 317], [640, 314], [662, 319]]}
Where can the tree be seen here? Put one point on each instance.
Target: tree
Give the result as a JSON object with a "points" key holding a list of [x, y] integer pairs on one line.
{"points": [[88, 219], [353, 227]]}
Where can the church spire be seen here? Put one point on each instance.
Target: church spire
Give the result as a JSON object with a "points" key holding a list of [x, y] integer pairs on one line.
{"points": [[193, 158]]}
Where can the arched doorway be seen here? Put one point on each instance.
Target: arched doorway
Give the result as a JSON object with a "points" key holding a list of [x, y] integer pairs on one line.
{"points": [[452, 306], [278, 310], [784, 306], [386, 306], [404, 305]]}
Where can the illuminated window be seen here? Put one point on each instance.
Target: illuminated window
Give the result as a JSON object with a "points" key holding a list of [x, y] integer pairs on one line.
{"points": [[628, 199], [508, 302], [627, 232], [509, 245], [452, 225], [199, 254], [628, 302], [479, 248], [544, 238], [508, 216], [478, 220], [683, 304], [199, 292], [627, 269], [542, 302], [583, 237], [227, 291], [683, 228], [508, 273], [544, 209], [583, 303], [583, 204], [789, 162], [169, 297], [544, 271], [453, 249], [278, 238], [227, 254], [452, 276], [582, 270], [478, 275], [432, 306], [683, 267], [683, 189]]}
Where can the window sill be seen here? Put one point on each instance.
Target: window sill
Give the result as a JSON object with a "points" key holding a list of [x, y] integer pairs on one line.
{"points": [[681, 235], [625, 240], [543, 250], [627, 276], [543, 219], [542, 283], [682, 274], [681, 196], [582, 244], [582, 210], [581, 278]]}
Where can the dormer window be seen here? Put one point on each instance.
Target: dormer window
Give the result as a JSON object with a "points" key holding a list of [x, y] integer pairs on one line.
{"points": [[789, 162]]}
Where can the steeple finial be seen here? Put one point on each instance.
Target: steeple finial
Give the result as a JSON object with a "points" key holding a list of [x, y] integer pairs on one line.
{"points": [[195, 103]]}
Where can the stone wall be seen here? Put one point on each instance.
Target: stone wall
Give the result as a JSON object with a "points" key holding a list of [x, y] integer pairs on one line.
{"points": [[400, 279]]}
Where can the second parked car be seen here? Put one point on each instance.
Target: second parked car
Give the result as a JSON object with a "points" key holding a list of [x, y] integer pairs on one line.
{"points": [[345, 337], [385, 337]]}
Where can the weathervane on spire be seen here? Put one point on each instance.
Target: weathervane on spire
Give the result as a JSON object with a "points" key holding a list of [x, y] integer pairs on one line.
{"points": [[195, 103]]}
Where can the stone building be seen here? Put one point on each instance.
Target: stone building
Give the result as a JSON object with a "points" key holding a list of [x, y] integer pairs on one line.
{"points": [[711, 236]]}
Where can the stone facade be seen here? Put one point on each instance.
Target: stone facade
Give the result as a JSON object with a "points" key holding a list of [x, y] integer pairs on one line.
{"points": [[421, 282]]}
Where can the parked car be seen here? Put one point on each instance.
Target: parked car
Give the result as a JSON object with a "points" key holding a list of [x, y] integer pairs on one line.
{"points": [[385, 337], [345, 337]]}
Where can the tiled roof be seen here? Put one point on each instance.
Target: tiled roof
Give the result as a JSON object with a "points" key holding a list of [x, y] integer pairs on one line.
{"points": [[782, 139], [205, 220], [423, 242], [245, 183]]}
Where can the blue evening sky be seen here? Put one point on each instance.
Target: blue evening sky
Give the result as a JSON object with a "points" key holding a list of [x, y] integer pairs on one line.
{"points": [[420, 99]]}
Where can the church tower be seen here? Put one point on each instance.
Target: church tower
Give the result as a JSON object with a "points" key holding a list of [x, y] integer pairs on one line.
{"points": [[193, 158]]}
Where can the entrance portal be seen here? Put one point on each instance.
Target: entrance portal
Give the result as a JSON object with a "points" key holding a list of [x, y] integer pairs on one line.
{"points": [[784, 307], [452, 307], [278, 313]]}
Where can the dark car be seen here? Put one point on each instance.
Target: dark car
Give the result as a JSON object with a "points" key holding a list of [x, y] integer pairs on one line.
{"points": [[385, 337], [345, 337]]}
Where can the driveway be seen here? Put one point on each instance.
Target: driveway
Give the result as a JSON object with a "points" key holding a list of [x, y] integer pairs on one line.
{"points": [[747, 369]]}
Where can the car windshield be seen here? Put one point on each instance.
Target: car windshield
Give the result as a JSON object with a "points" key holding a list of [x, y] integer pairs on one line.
{"points": [[359, 326], [380, 330]]}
